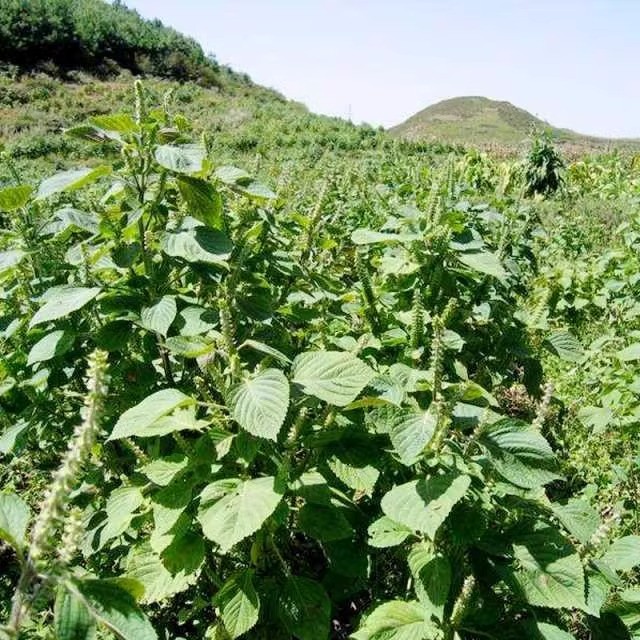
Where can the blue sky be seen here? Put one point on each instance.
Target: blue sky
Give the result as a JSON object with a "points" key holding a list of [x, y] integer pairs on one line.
{"points": [[573, 63]]}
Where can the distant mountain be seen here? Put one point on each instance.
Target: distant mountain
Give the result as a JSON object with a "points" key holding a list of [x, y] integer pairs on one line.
{"points": [[475, 120]]}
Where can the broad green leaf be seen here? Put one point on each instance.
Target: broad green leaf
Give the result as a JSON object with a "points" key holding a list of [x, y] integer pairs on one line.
{"points": [[305, 609], [71, 618], [121, 507], [71, 180], [158, 317], [118, 122], [14, 518], [181, 419], [238, 603], [336, 377], [423, 505], [324, 522], [565, 345], [232, 175], [484, 262], [62, 301], [159, 583], [266, 349], [13, 436], [163, 470], [549, 570], [67, 219], [169, 520], [199, 244], [432, 575], [239, 513], [519, 453], [50, 346], [259, 404], [10, 259], [579, 518], [257, 190], [623, 554], [410, 432], [115, 608], [630, 353], [138, 419], [190, 346], [187, 158], [368, 236], [597, 418], [397, 620], [356, 474], [202, 200], [551, 632], [385, 532], [12, 198]]}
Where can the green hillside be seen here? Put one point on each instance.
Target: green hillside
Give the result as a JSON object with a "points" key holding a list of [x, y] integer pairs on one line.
{"points": [[483, 122]]}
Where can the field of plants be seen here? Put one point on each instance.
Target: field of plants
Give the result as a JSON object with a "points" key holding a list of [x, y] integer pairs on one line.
{"points": [[291, 378]]}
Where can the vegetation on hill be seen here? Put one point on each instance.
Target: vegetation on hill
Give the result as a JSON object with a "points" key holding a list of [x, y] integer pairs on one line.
{"points": [[479, 121], [100, 37], [267, 374]]}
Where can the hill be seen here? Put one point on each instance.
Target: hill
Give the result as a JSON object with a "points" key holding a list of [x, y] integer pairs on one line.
{"points": [[483, 122]]}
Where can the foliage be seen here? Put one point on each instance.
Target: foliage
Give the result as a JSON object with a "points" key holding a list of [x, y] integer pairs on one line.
{"points": [[543, 166], [92, 34], [304, 433]]}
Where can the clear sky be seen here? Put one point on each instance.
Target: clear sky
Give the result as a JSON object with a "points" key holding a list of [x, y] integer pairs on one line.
{"points": [[574, 63]]}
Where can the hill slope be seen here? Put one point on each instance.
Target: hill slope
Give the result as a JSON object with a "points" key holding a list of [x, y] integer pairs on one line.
{"points": [[483, 122]]}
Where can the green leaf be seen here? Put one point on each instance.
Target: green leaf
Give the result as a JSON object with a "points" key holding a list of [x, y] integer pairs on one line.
{"points": [[423, 505], [190, 346], [355, 473], [232, 175], [579, 518], [410, 432], [549, 570], [62, 301], [565, 345], [305, 609], [257, 190], [159, 583], [432, 575], [14, 518], [118, 122], [397, 620], [187, 158], [12, 198], [200, 244], [10, 259], [266, 349], [551, 632], [159, 317], [623, 554], [13, 436], [50, 346], [71, 618], [120, 509], [385, 532], [324, 522], [368, 236], [115, 608], [163, 470], [259, 404], [336, 377], [71, 180], [519, 453], [630, 353], [138, 419], [484, 262], [239, 513], [238, 603], [202, 200]]}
